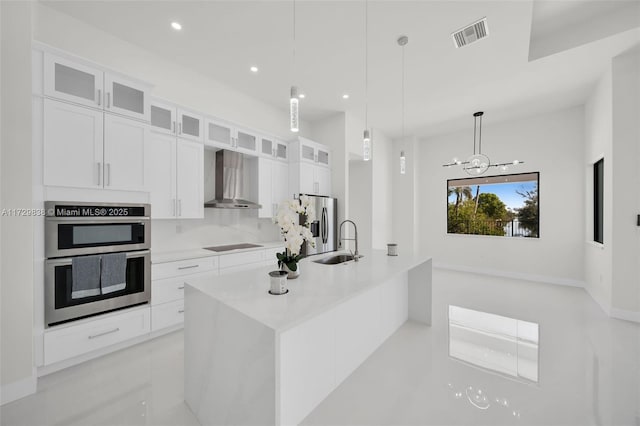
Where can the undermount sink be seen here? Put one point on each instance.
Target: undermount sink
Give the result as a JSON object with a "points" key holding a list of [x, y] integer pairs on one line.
{"points": [[337, 259]]}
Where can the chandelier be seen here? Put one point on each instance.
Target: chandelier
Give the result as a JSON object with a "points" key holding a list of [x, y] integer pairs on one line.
{"points": [[478, 163]]}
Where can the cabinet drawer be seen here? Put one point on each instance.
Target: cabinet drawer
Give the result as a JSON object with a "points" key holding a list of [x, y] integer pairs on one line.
{"points": [[74, 340], [183, 267], [167, 314], [238, 259], [171, 289]]}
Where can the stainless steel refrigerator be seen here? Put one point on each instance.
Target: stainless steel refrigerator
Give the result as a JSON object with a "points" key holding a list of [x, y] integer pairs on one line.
{"points": [[325, 227]]}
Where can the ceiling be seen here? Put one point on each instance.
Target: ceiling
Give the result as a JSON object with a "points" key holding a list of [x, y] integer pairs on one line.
{"points": [[444, 85]]}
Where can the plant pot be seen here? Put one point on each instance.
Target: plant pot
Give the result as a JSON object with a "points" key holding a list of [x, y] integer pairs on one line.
{"points": [[292, 275]]}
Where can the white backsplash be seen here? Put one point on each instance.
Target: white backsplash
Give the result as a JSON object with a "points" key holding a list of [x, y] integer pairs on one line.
{"points": [[219, 227]]}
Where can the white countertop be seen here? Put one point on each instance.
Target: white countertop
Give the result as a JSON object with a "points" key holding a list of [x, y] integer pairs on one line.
{"points": [[172, 256], [319, 287]]}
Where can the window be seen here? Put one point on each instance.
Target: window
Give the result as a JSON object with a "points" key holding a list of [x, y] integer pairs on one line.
{"points": [[598, 201], [505, 205]]}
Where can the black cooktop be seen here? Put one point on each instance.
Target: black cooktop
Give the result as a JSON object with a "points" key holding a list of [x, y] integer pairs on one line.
{"points": [[232, 247]]}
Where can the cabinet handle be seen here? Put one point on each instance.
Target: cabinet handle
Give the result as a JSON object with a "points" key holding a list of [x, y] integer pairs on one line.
{"points": [[108, 174], [179, 128], [181, 287], [99, 173], [181, 311], [99, 97], [187, 267], [174, 208], [173, 126], [93, 336], [108, 99], [180, 207]]}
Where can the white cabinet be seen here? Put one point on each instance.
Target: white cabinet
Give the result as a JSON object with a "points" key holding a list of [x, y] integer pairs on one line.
{"points": [[73, 140], [310, 179], [270, 147], [167, 288], [64, 342], [219, 134], [273, 185], [124, 153], [175, 172], [87, 85], [126, 97], [85, 148], [163, 117], [310, 168], [190, 179], [190, 125], [308, 151], [224, 135], [161, 175], [72, 81]]}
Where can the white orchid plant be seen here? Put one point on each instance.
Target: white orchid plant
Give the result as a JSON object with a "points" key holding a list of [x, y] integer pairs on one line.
{"points": [[289, 217]]}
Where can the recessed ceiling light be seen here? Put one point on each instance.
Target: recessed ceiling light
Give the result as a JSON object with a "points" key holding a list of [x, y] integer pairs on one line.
{"points": [[176, 26], [345, 96], [301, 96], [254, 69]]}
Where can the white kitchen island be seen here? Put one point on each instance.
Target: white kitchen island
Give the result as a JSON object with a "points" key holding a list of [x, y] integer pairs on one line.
{"points": [[254, 358]]}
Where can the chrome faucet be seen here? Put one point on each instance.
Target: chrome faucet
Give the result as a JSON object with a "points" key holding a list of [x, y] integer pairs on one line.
{"points": [[340, 239]]}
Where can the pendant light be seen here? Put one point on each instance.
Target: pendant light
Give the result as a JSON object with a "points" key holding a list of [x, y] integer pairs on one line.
{"points": [[402, 42], [294, 117], [478, 163], [366, 140]]}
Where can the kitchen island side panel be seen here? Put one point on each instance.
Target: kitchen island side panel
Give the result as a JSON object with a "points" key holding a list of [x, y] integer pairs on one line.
{"points": [[229, 364]]}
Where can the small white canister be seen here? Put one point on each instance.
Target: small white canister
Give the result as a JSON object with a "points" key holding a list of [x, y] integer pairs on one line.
{"points": [[392, 249], [278, 282]]}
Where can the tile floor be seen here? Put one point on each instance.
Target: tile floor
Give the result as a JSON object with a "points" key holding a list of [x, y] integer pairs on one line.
{"points": [[588, 370]]}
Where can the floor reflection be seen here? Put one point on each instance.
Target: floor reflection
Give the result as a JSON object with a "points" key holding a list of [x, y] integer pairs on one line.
{"points": [[504, 345]]}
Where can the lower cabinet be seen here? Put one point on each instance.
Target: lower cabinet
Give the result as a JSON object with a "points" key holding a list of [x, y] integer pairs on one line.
{"points": [[66, 342], [167, 314]]}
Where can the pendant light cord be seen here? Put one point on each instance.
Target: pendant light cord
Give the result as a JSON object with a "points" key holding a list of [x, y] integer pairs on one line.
{"points": [[403, 93], [366, 64], [294, 42], [475, 128], [480, 138]]}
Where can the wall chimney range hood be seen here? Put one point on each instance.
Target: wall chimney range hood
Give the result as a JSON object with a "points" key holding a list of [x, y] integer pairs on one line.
{"points": [[231, 185]]}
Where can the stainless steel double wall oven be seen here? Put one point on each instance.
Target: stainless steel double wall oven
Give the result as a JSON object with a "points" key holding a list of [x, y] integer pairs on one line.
{"points": [[75, 229]]}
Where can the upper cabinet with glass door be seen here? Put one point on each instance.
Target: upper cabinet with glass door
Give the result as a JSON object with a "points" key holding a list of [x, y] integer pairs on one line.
{"points": [[246, 141], [88, 85], [126, 96], [163, 117], [219, 134], [72, 81], [270, 147], [308, 151], [190, 125]]}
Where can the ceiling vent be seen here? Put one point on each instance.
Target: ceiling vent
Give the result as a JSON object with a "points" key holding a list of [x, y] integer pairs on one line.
{"points": [[471, 33]]}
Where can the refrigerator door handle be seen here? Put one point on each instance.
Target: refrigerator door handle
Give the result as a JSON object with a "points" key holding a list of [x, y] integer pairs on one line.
{"points": [[325, 219]]}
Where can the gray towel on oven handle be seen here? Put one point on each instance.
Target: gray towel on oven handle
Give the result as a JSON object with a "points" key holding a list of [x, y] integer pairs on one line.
{"points": [[113, 273], [85, 276]]}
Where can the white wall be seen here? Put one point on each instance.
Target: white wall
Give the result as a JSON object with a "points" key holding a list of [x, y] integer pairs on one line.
{"points": [[405, 196], [382, 195], [598, 138], [626, 183], [361, 202], [612, 126], [16, 352], [552, 144]]}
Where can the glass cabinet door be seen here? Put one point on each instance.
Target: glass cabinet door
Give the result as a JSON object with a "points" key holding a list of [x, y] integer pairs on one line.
{"points": [[189, 125], [307, 153], [323, 157], [246, 141], [73, 82], [126, 97], [219, 134], [266, 147], [163, 118], [282, 151]]}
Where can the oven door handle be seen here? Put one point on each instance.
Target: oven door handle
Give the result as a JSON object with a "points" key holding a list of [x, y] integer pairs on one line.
{"points": [[67, 260]]}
